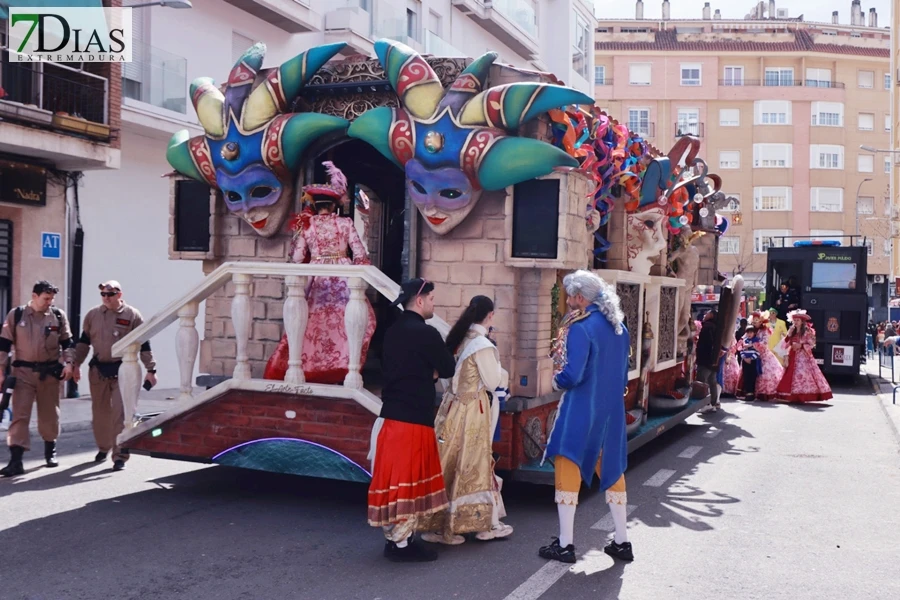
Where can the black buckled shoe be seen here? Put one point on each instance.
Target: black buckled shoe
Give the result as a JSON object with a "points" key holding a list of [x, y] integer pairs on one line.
{"points": [[556, 552], [621, 551], [50, 454], [413, 552], [101, 457], [15, 466], [118, 464]]}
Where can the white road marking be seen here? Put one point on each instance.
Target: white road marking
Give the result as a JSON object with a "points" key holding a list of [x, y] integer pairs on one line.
{"points": [[659, 478], [739, 408], [713, 432], [690, 452], [535, 586], [606, 523]]}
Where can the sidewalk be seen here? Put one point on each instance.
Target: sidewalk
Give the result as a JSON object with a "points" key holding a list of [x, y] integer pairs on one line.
{"points": [[885, 391], [75, 413]]}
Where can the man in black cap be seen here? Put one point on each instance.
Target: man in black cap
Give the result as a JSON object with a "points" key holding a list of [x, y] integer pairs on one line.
{"points": [[407, 481]]}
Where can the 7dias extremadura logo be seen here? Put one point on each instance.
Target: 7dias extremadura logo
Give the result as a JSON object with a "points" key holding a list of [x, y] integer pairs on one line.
{"points": [[61, 34]]}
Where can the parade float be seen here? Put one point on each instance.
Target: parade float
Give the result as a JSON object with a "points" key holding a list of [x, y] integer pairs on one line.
{"points": [[477, 176]]}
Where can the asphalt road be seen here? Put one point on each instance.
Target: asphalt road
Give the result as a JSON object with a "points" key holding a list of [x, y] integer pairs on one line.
{"points": [[758, 501]]}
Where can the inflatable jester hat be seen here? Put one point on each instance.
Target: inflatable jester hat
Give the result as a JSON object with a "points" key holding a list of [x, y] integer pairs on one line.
{"points": [[455, 144], [252, 144]]}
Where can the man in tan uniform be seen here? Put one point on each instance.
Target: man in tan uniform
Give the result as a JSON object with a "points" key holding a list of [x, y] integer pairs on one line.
{"points": [[103, 326], [41, 335]]}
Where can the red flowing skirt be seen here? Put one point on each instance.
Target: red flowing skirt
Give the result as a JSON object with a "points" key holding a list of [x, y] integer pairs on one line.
{"points": [[407, 481], [803, 380]]}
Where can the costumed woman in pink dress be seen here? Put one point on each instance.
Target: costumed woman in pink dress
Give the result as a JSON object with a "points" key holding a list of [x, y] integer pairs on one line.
{"points": [[803, 380], [322, 238], [732, 370], [772, 371]]}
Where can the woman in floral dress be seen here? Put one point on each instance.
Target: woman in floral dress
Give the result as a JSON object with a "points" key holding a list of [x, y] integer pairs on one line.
{"points": [[323, 238], [772, 371], [803, 380], [732, 370]]}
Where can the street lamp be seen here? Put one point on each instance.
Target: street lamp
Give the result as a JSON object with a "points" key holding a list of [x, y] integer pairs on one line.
{"points": [[857, 201], [164, 4]]}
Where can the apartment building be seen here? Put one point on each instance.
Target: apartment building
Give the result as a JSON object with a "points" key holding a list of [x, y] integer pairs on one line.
{"points": [[57, 122], [781, 107], [175, 46]]}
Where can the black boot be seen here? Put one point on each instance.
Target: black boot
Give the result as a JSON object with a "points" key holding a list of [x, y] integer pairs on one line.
{"points": [[50, 454], [15, 466]]}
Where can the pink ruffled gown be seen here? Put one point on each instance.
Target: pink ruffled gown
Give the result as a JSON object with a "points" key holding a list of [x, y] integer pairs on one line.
{"points": [[803, 380], [732, 370], [772, 371], [324, 240]]}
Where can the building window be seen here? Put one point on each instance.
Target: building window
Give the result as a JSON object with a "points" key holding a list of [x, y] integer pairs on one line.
{"points": [[733, 76], [239, 43], [829, 235], [818, 78], [729, 245], [763, 239], [828, 114], [887, 122], [688, 121], [600, 75], [826, 157], [733, 205], [888, 211], [412, 24], [870, 245], [729, 159], [866, 122], [639, 121], [866, 79], [730, 117], [779, 76], [772, 112], [888, 246], [435, 24], [639, 73], [826, 199], [865, 205], [690, 74], [772, 198], [887, 81], [887, 164], [865, 163], [777, 156], [634, 30], [582, 35]]}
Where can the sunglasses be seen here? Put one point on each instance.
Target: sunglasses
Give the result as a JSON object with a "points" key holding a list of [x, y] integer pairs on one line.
{"points": [[424, 283], [108, 294]]}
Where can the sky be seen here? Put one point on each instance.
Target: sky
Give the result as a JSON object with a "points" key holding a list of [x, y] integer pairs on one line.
{"points": [[812, 10]]}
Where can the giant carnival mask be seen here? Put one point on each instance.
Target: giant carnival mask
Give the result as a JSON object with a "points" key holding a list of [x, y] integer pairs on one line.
{"points": [[455, 144], [252, 144]]}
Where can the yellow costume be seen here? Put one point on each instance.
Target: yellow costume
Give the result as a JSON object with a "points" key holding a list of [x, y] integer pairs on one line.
{"points": [[779, 331]]}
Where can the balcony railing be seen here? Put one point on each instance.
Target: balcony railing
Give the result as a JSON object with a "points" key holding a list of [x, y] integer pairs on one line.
{"points": [[693, 129], [438, 46], [156, 77], [780, 83], [54, 95], [604, 81], [646, 130], [520, 12]]}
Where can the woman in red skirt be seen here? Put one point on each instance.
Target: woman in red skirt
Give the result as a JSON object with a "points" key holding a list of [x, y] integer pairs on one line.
{"points": [[803, 380], [407, 481]]}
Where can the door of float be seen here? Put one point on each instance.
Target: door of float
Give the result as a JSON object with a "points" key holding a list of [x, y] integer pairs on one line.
{"points": [[378, 207]]}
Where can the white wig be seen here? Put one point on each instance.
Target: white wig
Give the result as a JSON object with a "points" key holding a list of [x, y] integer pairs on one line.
{"points": [[596, 291]]}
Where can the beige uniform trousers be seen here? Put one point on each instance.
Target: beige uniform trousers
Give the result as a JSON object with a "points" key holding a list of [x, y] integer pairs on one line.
{"points": [[29, 388], [108, 412]]}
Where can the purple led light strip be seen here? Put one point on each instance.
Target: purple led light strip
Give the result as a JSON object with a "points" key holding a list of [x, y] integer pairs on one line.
{"points": [[350, 460]]}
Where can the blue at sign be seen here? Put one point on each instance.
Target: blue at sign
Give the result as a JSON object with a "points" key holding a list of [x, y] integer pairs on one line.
{"points": [[51, 245]]}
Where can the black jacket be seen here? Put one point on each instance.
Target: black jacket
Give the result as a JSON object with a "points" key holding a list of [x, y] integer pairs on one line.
{"points": [[708, 345], [412, 352]]}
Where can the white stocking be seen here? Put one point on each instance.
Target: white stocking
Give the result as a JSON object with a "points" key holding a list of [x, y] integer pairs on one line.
{"points": [[620, 519], [566, 524]]}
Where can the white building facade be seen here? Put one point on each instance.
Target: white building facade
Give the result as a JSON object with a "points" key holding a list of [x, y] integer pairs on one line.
{"points": [[126, 212]]}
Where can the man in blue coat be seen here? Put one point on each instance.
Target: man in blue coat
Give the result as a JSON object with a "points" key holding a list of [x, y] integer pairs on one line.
{"points": [[589, 433]]}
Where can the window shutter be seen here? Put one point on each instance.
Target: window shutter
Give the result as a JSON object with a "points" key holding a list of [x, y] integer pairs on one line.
{"points": [[239, 45], [134, 70]]}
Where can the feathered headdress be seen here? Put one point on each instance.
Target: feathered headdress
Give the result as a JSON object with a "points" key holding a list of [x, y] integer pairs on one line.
{"points": [[799, 314], [335, 188]]}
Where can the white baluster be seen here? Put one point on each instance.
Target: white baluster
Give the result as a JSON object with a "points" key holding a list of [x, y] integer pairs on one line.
{"points": [[356, 318], [187, 341], [130, 381], [296, 314], [241, 319]]}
